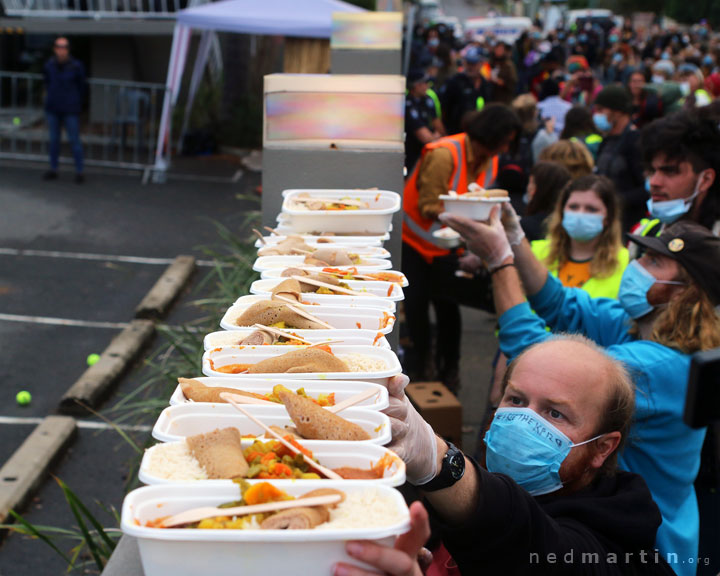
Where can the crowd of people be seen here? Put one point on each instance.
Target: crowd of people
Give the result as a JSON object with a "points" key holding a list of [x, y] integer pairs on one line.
{"points": [[603, 271]]}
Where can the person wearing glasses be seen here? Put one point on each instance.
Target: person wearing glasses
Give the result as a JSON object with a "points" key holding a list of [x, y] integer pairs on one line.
{"points": [[65, 91]]}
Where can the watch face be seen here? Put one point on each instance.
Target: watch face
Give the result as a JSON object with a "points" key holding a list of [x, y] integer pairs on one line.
{"points": [[456, 464]]}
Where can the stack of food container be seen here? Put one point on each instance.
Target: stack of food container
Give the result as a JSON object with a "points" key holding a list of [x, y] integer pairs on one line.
{"points": [[290, 403]]}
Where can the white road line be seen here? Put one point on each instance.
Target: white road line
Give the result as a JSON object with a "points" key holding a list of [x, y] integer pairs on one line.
{"points": [[100, 257], [19, 420], [84, 323], [62, 321]]}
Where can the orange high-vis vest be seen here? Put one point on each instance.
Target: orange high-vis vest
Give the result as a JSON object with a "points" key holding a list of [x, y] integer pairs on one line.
{"points": [[417, 231]]}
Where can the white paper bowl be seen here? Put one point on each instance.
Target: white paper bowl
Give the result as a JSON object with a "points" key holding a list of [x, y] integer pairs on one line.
{"points": [[277, 273], [329, 454], [186, 552], [338, 317], [219, 357], [447, 238], [346, 337], [183, 420], [375, 220], [475, 208], [268, 262], [381, 290], [343, 389]]}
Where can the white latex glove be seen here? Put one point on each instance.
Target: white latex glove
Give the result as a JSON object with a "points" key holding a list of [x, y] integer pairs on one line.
{"points": [[413, 439], [487, 240], [511, 222], [470, 263]]}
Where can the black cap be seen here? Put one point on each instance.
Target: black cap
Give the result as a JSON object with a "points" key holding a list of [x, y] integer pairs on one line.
{"points": [[692, 246], [415, 76], [615, 97]]}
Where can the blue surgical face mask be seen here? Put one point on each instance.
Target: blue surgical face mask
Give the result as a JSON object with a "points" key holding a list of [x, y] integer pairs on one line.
{"points": [[525, 446], [617, 58], [601, 122], [433, 41], [670, 210], [634, 286], [582, 226]]}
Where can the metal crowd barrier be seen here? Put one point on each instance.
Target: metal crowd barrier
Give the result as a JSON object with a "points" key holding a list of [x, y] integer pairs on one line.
{"points": [[118, 125], [96, 8]]}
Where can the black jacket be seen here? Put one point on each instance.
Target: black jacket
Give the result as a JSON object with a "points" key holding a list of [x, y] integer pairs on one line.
{"points": [[458, 97], [607, 528]]}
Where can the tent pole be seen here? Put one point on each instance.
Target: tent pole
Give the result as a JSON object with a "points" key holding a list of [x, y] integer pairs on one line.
{"points": [[197, 75]]}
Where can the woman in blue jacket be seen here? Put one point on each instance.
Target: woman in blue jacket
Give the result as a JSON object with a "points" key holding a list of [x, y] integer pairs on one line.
{"points": [[665, 312]]}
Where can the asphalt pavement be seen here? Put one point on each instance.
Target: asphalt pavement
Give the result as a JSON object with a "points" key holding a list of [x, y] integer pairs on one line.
{"points": [[75, 261]]}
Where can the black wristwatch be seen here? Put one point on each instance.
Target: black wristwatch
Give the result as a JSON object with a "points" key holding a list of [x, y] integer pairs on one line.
{"points": [[452, 469]]}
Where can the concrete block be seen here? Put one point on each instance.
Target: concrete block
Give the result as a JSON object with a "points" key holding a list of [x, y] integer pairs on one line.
{"points": [[98, 379], [26, 468], [158, 300]]}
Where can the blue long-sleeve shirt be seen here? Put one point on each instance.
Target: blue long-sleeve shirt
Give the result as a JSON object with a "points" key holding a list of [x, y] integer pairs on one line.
{"points": [[661, 447], [65, 86]]}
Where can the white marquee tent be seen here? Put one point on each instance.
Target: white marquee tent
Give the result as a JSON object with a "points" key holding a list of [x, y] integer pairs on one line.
{"points": [[299, 18]]}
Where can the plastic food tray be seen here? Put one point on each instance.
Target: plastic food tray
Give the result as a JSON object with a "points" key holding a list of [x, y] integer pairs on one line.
{"points": [[252, 354], [338, 317], [363, 251], [447, 238], [343, 389], [315, 301], [375, 220], [383, 290], [329, 454], [186, 552], [267, 262], [183, 420], [475, 208], [348, 336], [277, 273], [363, 241]]}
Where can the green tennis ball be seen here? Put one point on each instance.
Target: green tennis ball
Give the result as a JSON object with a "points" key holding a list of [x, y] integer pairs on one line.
{"points": [[16, 121], [93, 359], [23, 398]]}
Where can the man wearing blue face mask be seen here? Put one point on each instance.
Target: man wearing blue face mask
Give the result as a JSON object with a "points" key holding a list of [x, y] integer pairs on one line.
{"points": [[666, 311], [550, 499], [619, 156], [680, 152]]}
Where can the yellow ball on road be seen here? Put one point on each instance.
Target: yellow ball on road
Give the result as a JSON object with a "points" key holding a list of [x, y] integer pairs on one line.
{"points": [[93, 359], [23, 398]]}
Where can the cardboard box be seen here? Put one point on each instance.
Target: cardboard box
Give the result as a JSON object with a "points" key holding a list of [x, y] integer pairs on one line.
{"points": [[439, 407]]}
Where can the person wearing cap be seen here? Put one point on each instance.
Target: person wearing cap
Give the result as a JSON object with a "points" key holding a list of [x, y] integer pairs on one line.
{"points": [[421, 122], [464, 92], [450, 163], [680, 153], [692, 84], [619, 157], [664, 313]]}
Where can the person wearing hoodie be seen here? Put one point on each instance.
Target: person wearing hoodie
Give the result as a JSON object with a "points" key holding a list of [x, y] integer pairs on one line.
{"points": [[666, 311], [548, 499]]}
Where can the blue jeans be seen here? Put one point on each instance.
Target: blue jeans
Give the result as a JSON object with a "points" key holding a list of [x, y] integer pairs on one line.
{"points": [[72, 129]]}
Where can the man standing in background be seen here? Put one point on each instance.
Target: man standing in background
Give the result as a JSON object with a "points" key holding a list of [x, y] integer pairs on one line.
{"points": [[64, 88]]}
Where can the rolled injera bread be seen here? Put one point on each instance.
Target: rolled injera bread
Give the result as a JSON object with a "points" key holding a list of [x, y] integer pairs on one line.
{"points": [[289, 288], [220, 453], [198, 392], [333, 255], [316, 423], [296, 519], [491, 193], [267, 313], [300, 362]]}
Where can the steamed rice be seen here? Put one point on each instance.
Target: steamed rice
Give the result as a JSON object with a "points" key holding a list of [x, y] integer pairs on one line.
{"points": [[357, 362], [174, 462], [364, 509]]}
